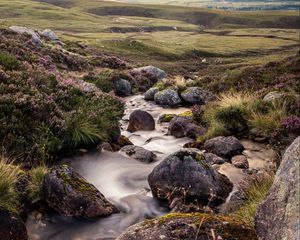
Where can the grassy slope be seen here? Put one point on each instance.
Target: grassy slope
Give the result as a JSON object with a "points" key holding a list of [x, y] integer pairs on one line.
{"points": [[239, 33]]}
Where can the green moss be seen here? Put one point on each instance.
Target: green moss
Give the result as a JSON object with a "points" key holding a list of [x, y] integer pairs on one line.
{"points": [[167, 117], [186, 114]]}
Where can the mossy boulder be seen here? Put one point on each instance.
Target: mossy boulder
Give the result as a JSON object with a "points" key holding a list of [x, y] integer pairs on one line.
{"points": [[196, 95], [11, 226], [165, 118], [149, 95], [70, 194], [168, 98], [190, 227], [188, 175]]}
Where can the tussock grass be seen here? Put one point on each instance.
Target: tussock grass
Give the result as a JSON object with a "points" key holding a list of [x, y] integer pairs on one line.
{"points": [[255, 190], [9, 174], [36, 180], [237, 113], [82, 132]]}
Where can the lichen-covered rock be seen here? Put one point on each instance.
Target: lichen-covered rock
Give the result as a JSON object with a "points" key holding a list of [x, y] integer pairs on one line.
{"points": [[50, 35], [35, 38], [167, 97], [278, 216], [11, 226], [149, 95], [240, 161], [140, 120], [139, 153], [123, 87], [184, 127], [186, 174], [152, 71], [70, 194], [197, 226], [226, 147], [196, 95], [214, 159]]}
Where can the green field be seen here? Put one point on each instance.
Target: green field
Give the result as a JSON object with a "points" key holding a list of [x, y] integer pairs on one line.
{"points": [[156, 33]]}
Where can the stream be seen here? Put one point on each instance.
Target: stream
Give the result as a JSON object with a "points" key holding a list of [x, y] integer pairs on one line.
{"points": [[123, 181]]}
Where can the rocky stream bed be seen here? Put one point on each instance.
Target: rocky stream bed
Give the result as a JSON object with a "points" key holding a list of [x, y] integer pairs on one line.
{"points": [[123, 180]]}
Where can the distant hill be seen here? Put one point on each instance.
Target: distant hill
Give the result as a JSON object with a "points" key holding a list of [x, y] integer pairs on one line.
{"points": [[245, 5]]}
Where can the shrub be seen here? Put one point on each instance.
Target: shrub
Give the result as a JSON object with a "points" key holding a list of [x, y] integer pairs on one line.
{"points": [[36, 180], [8, 61], [104, 80], [8, 178], [254, 190]]}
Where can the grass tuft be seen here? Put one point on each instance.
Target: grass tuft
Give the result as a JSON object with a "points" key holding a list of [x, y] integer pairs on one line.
{"points": [[255, 190], [36, 180], [9, 174]]}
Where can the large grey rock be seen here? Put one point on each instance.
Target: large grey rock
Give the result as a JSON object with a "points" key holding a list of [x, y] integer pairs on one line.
{"points": [[154, 72], [184, 127], [50, 35], [195, 226], [196, 95], [11, 226], [278, 217], [226, 147], [70, 194], [167, 97], [123, 87], [186, 174], [149, 95], [140, 120], [35, 38], [139, 153]]}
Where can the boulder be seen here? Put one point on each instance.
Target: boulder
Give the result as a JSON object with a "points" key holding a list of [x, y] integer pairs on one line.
{"points": [[167, 97], [196, 95], [123, 141], [187, 174], [151, 71], [278, 216], [184, 127], [35, 38], [139, 153], [140, 120], [50, 35], [149, 95], [69, 194], [123, 87], [240, 161], [226, 147], [214, 159], [11, 226], [197, 226]]}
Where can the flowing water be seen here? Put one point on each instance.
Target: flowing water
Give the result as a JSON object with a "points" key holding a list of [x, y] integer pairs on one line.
{"points": [[124, 181]]}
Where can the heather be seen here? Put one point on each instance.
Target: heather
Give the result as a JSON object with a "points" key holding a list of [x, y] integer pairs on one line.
{"points": [[45, 108]]}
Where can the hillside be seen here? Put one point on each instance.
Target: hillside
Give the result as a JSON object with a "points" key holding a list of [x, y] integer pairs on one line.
{"points": [[139, 32]]}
